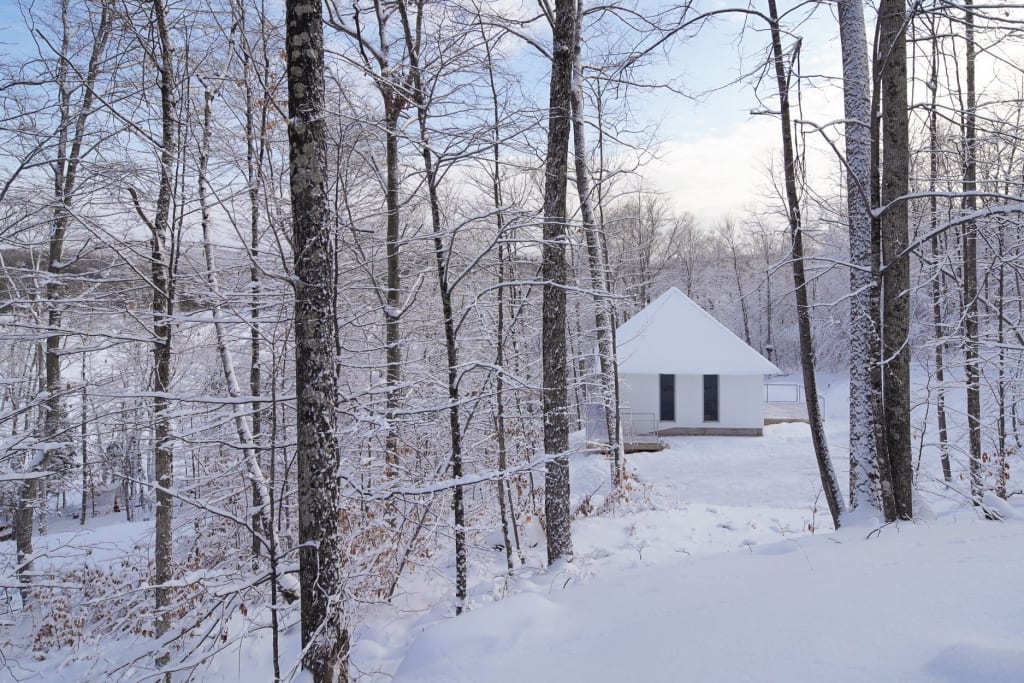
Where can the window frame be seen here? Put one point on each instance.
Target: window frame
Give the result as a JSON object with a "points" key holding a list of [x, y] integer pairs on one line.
{"points": [[712, 398], [666, 388]]}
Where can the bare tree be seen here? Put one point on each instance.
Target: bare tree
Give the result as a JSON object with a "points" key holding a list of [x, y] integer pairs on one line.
{"points": [[413, 38], [937, 277], [727, 233], [393, 82], [864, 476], [554, 272], [891, 76], [243, 423], [70, 136], [162, 309], [828, 478], [325, 639], [596, 260], [969, 235], [506, 511]]}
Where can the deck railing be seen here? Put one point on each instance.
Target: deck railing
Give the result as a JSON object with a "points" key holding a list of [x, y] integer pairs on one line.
{"points": [[639, 424], [789, 393], [784, 393], [633, 424]]}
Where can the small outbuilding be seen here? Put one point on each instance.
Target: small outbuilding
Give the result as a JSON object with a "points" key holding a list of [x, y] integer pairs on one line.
{"points": [[681, 372]]}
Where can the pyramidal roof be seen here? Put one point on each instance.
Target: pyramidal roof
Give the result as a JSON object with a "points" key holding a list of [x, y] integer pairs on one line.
{"points": [[674, 336]]}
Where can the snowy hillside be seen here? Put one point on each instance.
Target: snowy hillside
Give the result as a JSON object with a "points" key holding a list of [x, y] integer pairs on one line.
{"points": [[936, 601]]}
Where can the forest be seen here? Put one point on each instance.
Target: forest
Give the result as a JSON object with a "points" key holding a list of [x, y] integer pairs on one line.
{"points": [[316, 296]]}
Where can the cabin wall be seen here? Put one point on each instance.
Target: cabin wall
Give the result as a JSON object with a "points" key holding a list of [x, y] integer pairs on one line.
{"points": [[740, 404]]}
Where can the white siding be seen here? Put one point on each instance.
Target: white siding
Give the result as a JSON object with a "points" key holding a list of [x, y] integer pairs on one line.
{"points": [[638, 395], [740, 400]]}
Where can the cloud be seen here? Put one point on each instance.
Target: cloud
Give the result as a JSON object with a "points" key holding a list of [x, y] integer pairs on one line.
{"points": [[725, 167], [714, 175]]}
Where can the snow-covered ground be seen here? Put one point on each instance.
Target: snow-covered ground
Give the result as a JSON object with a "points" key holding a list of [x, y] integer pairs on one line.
{"points": [[721, 564], [715, 575], [934, 601]]}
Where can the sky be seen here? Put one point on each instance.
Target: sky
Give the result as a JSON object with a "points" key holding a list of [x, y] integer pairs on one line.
{"points": [[714, 155], [715, 152], [12, 27]]}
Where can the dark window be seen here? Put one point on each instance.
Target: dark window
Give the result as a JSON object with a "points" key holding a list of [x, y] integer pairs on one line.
{"points": [[711, 398], [667, 388]]}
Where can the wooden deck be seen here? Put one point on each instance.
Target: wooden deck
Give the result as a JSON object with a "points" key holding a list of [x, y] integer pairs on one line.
{"points": [[643, 443], [777, 412]]}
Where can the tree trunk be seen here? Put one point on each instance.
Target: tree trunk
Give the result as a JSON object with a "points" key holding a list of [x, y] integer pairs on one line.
{"points": [[504, 496], [255, 150], [609, 280], [595, 260], [936, 287], [162, 308], [243, 426], [972, 370], [393, 300], [828, 478], [70, 134], [737, 273], [882, 452], [891, 66], [1000, 463], [864, 476], [413, 36], [554, 273], [324, 636], [84, 427]]}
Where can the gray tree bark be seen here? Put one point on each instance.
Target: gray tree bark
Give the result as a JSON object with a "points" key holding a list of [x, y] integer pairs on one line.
{"points": [[555, 272], [891, 67], [864, 476], [70, 133], [256, 111], [413, 36], [325, 639], [393, 87], [162, 309], [936, 286], [508, 520], [969, 236], [828, 478]]}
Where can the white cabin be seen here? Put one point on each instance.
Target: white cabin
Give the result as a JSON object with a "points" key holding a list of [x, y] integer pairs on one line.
{"points": [[681, 372]]}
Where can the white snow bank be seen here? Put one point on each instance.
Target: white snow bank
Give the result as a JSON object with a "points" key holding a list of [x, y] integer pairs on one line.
{"points": [[935, 602]]}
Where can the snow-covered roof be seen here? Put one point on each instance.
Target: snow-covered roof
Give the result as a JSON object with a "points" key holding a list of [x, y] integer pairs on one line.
{"points": [[674, 336]]}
